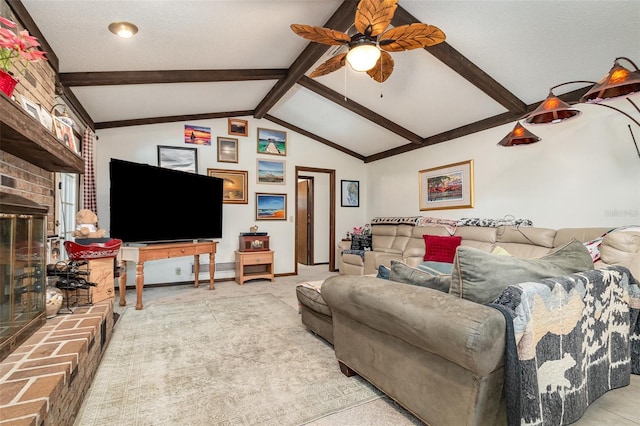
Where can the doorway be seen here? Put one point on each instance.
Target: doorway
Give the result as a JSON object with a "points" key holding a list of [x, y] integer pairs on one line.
{"points": [[305, 218], [315, 192]]}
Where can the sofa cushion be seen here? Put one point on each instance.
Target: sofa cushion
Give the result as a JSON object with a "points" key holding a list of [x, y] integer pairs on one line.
{"points": [[440, 248], [383, 272], [403, 273], [436, 268], [481, 277]]}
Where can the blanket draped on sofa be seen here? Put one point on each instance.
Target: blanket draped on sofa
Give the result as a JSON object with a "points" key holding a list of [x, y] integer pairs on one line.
{"points": [[572, 339]]}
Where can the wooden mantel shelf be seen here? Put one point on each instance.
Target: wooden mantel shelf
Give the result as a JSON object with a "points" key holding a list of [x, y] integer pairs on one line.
{"points": [[24, 137]]}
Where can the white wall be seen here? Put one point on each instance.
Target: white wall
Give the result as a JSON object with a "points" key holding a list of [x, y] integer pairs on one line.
{"points": [[139, 144], [584, 172]]}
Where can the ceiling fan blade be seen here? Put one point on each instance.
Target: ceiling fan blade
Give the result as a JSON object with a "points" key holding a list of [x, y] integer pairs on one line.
{"points": [[320, 35], [383, 68], [330, 65], [374, 16], [412, 36]]}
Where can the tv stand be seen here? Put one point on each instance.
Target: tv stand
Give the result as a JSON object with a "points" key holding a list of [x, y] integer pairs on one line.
{"points": [[142, 253]]}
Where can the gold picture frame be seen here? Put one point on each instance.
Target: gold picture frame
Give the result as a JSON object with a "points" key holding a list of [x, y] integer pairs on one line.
{"points": [[227, 150], [235, 188], [447, 187]]}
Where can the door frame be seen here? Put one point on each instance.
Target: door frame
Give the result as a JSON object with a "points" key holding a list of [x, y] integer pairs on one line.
{"points": [[332, 214]]}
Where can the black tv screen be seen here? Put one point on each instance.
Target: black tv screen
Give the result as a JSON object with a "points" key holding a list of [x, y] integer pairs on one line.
{"points": [[154, 204]]}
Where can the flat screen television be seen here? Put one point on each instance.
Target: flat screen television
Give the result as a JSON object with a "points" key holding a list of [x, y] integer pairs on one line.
{"points": [[152, 204]]}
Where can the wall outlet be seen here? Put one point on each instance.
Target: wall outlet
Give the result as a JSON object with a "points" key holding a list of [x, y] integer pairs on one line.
{"points": [[178, 271]]}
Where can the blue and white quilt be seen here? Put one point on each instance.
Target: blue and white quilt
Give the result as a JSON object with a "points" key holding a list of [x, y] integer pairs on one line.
{"points": [[572, 339]]}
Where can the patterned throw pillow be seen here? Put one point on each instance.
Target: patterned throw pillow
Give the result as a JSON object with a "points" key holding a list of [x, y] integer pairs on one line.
{"points": [[361, 242], [440, 248]]}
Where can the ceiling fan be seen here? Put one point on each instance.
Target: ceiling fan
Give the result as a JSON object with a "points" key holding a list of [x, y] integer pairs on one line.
{"points": [[369, 46]]}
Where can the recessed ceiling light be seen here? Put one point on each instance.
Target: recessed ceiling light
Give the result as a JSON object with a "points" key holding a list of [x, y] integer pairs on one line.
{"points": [[123, 29]]}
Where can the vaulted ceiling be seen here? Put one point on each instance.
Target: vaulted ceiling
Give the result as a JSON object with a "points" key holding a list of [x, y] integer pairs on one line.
{"points": [[207, 59]]}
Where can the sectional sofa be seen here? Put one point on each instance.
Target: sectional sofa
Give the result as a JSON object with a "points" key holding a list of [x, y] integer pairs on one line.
{"points": [[440, 355]]}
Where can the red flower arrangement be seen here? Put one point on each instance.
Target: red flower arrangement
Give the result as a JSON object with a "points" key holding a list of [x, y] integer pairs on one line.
{"points": [[17, 50]]}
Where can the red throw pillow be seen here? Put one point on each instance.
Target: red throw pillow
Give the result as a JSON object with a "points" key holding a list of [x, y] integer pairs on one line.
{"points": [[440, 248]]}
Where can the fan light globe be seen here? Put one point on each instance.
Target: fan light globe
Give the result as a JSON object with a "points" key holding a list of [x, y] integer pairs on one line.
{"points": [[363, 57]]}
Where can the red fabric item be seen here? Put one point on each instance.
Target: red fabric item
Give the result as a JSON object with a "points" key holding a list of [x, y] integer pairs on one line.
{"points": [[440, 248]]}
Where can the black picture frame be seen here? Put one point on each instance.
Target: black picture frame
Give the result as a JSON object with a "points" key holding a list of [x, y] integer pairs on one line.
{"points": [[350, 193]]}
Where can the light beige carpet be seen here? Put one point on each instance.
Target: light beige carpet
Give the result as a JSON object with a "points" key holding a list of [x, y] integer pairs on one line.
{"points": [[243, 360]]}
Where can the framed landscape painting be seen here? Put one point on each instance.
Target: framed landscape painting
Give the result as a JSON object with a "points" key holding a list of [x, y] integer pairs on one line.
{"points": [[197, 135], [272, 142], [271, 206], [447, 187], [178, 158], [271, 171], [234, 187], [227, 150], [238, 127]]}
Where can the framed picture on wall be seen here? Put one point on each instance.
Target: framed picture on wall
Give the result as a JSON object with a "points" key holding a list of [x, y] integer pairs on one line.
{"points": [[178, 158], [31, 107], [270, 171], [64, 132], [238, 127], [447, 187], [350, 193], [273, 142], [271, 206], [235, 186], [227, 150]]}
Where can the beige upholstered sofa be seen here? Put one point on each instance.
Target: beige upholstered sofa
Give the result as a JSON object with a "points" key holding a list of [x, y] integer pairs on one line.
{"points": [[406, 243], [440, 356]]}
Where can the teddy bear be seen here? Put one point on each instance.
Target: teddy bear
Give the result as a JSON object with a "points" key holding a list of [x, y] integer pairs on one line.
{"points": [[87, 225]]}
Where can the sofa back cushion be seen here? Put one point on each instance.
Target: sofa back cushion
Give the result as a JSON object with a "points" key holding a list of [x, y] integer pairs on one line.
{"points": [[390, 238], [480, 237], [481, 277], [526, 242], [564, 235]]}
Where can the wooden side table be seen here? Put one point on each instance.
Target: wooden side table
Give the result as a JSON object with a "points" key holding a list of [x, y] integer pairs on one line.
{"points": [[253, 265]]}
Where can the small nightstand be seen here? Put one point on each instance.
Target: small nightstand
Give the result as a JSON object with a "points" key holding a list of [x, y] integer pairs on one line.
{"points": [[253, 265]]}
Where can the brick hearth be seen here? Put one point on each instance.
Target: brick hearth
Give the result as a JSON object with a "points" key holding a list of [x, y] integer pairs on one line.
{"points": [[44, 381]]}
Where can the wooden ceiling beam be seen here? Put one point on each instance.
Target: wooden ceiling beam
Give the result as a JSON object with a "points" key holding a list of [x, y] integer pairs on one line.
{"points": [[171, 119], [467, 69], [341, 20], [314, 137], [356, 108], [76, 79]]}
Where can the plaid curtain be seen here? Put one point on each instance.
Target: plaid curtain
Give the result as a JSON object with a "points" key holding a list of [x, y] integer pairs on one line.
{"points": [[89, 179]]}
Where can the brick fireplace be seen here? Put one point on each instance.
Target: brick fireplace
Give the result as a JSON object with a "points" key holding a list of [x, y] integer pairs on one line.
{"points": [[44, 381]]}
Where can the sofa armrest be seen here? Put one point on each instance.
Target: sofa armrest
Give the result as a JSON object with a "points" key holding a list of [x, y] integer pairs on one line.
{"points": [[463, 332]]}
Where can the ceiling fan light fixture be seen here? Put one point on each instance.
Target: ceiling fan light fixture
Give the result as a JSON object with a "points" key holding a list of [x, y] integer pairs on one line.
{"points": [[363, 54], [123, 29]]}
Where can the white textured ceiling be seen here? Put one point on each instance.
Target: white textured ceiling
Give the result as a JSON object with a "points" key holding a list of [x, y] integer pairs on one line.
{"points": [[525, 45]]}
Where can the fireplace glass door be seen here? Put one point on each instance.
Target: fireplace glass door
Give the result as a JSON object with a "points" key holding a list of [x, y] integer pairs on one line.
{"points": [[22, 270]]}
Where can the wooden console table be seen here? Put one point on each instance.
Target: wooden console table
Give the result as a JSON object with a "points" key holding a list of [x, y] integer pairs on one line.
{"points": [[141, 254]]}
